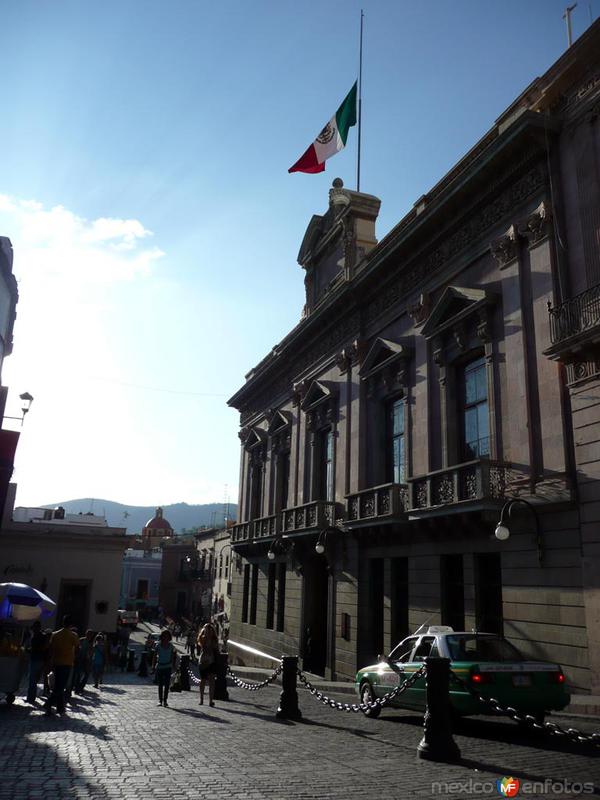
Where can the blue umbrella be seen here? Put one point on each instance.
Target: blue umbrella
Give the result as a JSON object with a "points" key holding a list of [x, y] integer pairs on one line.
{"points": [[23, 603]]}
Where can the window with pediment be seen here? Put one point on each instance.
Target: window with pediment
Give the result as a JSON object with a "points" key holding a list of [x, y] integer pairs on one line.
{"points": [[279, 432], [254, 440], [459, 330], [384, 373], [320, 406]]}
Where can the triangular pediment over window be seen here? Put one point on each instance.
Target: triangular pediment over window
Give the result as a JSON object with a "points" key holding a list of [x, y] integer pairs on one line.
{"points": [[256, 436], [318, 392], [279, 420], [455, 303], [382, 353]]}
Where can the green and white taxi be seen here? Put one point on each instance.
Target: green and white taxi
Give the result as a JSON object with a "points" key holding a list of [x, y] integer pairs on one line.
{"points": [[486, 662]]}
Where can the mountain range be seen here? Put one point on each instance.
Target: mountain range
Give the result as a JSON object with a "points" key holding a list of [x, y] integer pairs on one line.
{"points": [[181, 515]]}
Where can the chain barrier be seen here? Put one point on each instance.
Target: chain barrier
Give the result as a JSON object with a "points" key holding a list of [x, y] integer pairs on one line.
{"points": [[254, 687], [357, 707], [552, 728], [193, 678]]}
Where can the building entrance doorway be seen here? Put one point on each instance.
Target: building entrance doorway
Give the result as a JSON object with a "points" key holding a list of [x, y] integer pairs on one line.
{"points": [[74, 599], [316, 615]]}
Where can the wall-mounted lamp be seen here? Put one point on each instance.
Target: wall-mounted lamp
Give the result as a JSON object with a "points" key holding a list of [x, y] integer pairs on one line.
{"points": [[321, 544], [279, 546], [502, 531], [26, 400]]}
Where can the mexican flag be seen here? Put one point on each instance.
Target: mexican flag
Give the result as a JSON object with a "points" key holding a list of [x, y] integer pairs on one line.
{"points": [[332, 138]]}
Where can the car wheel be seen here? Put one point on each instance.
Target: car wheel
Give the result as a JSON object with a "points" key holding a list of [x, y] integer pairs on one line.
{"points": [[10, 699], [367, 695]]}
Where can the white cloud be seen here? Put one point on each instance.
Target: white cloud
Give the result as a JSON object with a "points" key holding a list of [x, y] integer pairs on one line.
{"points": [[77, 281], [56, 242]]}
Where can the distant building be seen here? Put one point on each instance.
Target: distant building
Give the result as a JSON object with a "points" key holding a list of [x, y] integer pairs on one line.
{"points": [[156, 531], [181, 579], [76, 562], [221, 594], [140, 581]]}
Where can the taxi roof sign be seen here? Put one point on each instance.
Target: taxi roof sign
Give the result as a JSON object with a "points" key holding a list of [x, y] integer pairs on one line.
{"points": [[440, 629]]}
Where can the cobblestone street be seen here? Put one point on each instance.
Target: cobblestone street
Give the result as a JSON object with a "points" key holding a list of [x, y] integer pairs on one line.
{"points": [[117, 743]]}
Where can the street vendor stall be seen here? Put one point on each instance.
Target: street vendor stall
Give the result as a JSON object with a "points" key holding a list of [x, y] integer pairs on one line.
{"points": [[20, 605]]}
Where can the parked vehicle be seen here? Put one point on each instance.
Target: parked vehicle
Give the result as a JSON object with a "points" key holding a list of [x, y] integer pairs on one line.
{"points": [[485, 661], [130, 618]]}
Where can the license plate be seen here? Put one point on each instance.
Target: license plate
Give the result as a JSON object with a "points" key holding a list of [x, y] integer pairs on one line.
{"points": [[521, 680]]}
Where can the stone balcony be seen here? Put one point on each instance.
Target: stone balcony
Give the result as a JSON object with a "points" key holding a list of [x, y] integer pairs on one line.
{"points": [[386, 503], [315, 516], [473, 485], [306, 518], [260, 528]]}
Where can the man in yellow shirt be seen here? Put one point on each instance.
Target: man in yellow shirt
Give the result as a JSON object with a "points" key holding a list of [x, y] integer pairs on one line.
{"points": [[63, 647]]}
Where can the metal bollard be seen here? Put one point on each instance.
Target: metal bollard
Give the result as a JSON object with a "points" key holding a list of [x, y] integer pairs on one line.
{"points": [[437, 743], [131, 661], [288, 699], [143, 669], [184, 675], [221, 692]]}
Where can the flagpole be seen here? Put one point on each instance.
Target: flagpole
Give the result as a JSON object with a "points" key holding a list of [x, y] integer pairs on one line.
{"points": [[359, 100]]}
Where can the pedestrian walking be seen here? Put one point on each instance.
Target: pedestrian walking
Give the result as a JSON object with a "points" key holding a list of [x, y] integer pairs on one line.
{"points": [[63, 647], [208, 645], [83, 662], [98, 660], [38, 646], [163, 663]]}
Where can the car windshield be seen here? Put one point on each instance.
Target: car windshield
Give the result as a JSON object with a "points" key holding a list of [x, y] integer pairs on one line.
{"points": [[472, 647]]}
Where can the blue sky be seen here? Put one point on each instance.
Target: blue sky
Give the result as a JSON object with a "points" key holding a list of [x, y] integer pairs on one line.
{"points": [[145, 188]]}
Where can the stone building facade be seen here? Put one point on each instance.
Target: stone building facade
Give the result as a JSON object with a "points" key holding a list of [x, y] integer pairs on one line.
{"points": [[426, 385]]}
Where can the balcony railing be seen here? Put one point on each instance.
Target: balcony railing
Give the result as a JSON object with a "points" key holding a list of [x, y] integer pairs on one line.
{"points": [[575, 316], [261, 528], [387, 502], [472, 481], [311, 516]]}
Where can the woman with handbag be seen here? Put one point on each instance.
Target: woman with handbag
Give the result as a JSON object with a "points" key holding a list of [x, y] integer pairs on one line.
{"points": [[208, 645], [164, 659]]}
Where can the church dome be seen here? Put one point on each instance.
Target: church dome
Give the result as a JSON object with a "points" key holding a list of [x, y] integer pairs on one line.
{"points": [[158, 522]]}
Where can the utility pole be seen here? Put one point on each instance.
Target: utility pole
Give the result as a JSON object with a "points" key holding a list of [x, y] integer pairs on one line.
{"points": [[567, 17]]}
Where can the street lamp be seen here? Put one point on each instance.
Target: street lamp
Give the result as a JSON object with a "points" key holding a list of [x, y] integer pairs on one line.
{"points": [[502, 531], [26, 400]]}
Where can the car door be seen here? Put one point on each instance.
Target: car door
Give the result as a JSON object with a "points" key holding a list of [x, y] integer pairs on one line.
{"points": [[415, 697], [392, 673]]}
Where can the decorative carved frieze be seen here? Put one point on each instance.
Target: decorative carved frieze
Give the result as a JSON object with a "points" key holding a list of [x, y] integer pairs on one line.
{"points": [[587, 87], [583, 370], [506, 247], [537, 225], [473, 229]]}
